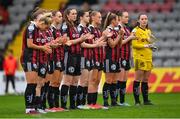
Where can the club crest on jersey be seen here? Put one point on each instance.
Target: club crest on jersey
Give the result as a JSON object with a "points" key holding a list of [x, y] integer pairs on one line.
{"points": [[109, 30], [43, 70], [38, 40], [116, 28], [71, 69], [64, 27], [113, 67], [79, 29]]}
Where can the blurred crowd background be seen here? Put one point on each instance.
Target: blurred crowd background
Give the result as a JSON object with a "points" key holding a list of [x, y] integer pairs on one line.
{"points": [[164, 20]]}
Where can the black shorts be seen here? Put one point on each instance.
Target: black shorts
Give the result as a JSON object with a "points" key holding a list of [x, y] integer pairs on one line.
{"points": [[50, 67], [97, 65], [86, 64], [125, 64], [42, 70], [29, 66], [59, 65], [111, 67], [72, 63]]}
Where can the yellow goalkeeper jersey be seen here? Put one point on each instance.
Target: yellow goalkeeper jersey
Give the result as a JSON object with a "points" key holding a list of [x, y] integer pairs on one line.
{"points": [[139, 51]]}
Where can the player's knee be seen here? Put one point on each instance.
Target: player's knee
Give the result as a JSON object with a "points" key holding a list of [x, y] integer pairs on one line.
{"points": [[114, 81], [55, 84], [33, 81], [66, 83], [74, 83], [108, 81], [39, 85], [85, 84]]}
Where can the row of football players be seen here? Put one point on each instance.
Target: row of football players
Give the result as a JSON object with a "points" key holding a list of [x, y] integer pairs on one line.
{"points": [[57, 52]]}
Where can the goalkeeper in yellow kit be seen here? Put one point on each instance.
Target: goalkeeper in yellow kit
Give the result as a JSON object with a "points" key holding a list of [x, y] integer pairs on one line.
{"points": [[142, 54]]}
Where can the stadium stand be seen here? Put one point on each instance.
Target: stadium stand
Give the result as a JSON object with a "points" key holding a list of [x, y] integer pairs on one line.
{"points": [[18, 14], [163, 15]]}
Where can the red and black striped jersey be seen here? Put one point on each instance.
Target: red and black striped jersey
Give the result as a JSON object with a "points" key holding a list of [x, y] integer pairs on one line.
{"points": [[85, 52], [49, 36], [29, 54], [73, 34], [112, 53], [126, 48], [43, 57], [59, 51], [98, 53]]}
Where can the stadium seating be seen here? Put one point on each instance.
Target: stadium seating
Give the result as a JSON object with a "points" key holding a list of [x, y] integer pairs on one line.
{"points": [[18, 15], [164, 20]]}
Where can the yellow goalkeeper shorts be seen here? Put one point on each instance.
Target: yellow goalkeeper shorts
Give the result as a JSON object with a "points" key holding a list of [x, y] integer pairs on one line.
{"points": [[143, 65]]}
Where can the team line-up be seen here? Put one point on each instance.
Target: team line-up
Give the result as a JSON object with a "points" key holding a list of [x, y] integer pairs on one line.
{"points": [[64, 55]]}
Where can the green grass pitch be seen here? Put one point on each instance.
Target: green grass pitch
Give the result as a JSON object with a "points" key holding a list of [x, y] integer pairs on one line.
{"points": [[166, 106]]}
